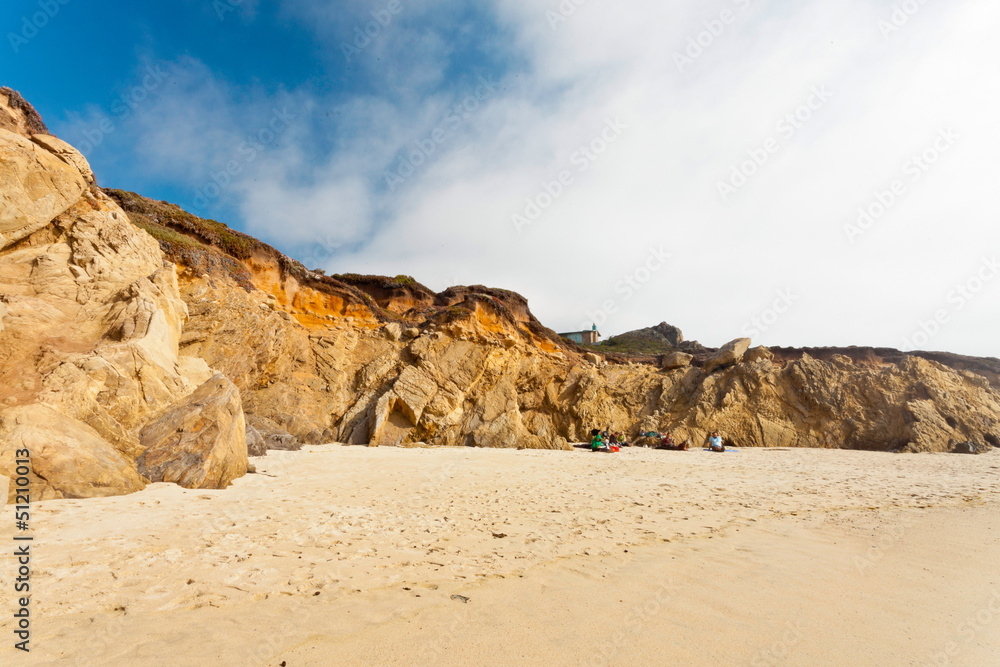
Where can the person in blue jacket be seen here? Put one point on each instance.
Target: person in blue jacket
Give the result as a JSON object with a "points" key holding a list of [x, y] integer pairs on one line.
{"points": [[715, 443]]}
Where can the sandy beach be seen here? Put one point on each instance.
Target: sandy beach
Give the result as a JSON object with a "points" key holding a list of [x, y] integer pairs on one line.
{"points": [[354, 555]]}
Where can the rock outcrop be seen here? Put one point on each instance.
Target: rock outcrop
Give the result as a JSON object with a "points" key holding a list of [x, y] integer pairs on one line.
{"points": [[199, 443], [68, 458], [471, 366], [676, 360], [915, 406], [134, 336], [255, 442], [90, 323], [35, 187], [729, 354]]}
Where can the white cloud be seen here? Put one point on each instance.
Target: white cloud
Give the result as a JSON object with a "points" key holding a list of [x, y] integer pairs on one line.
{"points": [[656, 184]]}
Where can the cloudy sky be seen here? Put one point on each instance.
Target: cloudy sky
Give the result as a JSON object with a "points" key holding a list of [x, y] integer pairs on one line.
{"points": [[803, 174]]}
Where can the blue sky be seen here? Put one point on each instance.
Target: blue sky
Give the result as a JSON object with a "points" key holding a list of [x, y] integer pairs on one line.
{"points": [[119, 64], [802, 175]]}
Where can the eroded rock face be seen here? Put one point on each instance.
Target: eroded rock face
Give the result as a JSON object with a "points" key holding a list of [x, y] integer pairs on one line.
{"points": [[90, 321], [68, 458], [916, 406], [35, 187], [670, 333], [199, 443], [67, 154], [101, 341], [476, 379]]}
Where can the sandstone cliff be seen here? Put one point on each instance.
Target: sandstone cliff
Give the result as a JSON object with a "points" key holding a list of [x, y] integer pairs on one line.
{"points": [[90, 320], [124, 319], [472, 366]]}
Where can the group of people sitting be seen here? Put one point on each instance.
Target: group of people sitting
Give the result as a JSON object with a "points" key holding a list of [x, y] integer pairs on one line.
{"points": [[713, 443], [667, 442], [607, 441]]}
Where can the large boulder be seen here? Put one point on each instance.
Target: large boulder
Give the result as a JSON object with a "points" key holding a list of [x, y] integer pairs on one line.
{"points": [[199, 443], [670, 333], [255, 442], [729, 354], [272, 436], [676, 360], [68, 458], [970, 448], [90, 320], [35, 187], [393, 331], [760, 353]]}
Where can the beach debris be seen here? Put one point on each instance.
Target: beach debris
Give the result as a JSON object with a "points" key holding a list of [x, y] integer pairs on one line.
{"points": [[499, 535], [461, 598]]}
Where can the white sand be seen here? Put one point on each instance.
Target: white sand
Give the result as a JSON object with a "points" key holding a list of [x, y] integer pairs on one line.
{"points": [[350, 555]]}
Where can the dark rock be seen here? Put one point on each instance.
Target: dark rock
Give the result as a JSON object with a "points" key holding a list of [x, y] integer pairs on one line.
{"points": [[255, 442], [970, 448]]}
